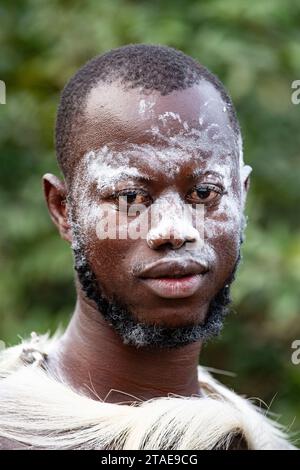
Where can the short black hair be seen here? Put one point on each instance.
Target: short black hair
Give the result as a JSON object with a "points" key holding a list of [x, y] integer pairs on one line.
{"points": [[150, 67]]}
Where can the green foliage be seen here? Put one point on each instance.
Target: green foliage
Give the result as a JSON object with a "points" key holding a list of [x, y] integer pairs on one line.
{"points": [[254, 48]]}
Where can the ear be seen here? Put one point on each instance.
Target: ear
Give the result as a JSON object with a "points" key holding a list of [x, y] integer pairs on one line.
{"points": [[55, 194], [245, 179]]}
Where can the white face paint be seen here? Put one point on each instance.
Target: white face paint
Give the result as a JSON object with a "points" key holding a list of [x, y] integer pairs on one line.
{"points": [[106, 174], [221, 150], [146, 107], [165, 117], [106, 168]]}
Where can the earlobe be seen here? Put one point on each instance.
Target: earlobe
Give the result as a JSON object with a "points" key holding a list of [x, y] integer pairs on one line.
{"points": [[55, 194]]}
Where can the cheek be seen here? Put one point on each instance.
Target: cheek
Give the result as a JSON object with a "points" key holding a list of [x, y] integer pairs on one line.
{"points": [[222, 230], [106, 255], [108, 259]]}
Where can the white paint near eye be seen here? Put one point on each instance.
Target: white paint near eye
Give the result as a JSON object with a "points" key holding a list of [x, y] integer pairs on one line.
{"points": [[106, 175], [106, 167], [227, 219]]}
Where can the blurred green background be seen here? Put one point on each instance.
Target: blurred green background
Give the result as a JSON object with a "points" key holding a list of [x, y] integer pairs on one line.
{"points": [[254, 47]]}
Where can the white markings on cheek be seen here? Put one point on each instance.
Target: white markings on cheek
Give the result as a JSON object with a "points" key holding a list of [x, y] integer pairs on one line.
{"points": [[227, 217], [225, 220], [213, 131]]}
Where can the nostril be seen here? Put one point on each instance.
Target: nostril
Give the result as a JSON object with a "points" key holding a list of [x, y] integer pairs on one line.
{"points": [[191, 239], [177, 243], [156, 243]]}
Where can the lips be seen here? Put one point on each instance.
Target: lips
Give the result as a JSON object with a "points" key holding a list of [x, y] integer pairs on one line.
{"points": [[173, 279], [173, 268]]}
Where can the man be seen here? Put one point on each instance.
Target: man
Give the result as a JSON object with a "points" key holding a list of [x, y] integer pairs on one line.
{"points": [[152, 204]]}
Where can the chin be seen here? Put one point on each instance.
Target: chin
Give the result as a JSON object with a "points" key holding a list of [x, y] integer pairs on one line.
{"points": [[172, 316]]}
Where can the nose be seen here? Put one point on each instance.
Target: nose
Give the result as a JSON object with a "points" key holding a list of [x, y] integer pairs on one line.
{"points": [[171, 224], [158, 237]]}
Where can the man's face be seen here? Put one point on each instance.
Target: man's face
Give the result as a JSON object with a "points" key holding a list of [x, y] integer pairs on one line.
{"points": [[175, 153]]}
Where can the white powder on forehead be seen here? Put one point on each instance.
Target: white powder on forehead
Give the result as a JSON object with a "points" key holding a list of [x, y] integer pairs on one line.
{"points": [[107, 166], [208, 136], [146, 106], [170, 159], [191, 140], [210, 100], [165, 117]]}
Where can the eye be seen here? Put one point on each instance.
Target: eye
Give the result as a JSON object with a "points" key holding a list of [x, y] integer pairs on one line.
{"points": [[132, 197], [205, 194]]}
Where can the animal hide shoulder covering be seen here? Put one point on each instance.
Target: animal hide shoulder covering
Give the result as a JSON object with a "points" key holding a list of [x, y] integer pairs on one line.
{"points": [[42, 412]]}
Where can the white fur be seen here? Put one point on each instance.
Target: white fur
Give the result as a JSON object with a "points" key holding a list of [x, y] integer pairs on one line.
{"points": [[46, 413]]}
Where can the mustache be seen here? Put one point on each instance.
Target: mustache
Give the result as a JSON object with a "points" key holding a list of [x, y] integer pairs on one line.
{"points": [[203, 259]]}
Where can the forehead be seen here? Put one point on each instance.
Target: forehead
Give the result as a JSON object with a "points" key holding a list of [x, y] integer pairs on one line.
{"points": [[190, 126]]}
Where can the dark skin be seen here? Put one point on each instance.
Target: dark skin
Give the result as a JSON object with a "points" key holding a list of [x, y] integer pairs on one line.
{"points": [[91, 355]]}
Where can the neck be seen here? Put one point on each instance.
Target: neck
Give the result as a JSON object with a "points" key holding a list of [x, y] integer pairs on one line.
{"points": [[92, 358]]}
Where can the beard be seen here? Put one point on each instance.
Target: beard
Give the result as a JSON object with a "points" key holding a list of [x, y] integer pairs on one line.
{"points": [[141, 334]]}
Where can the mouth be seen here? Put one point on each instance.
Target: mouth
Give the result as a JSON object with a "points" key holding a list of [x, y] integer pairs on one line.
{"points": [[174, 279]]}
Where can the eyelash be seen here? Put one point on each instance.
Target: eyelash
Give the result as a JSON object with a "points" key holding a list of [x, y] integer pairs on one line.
{"points": [[206, 186], [209, 187], [127, 192], [212, 187]]}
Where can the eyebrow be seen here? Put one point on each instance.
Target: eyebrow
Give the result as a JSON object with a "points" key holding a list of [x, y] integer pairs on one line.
{"points": [[113, 175], [142, 177], [133, 173], [198, 172], [120, 174]]}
